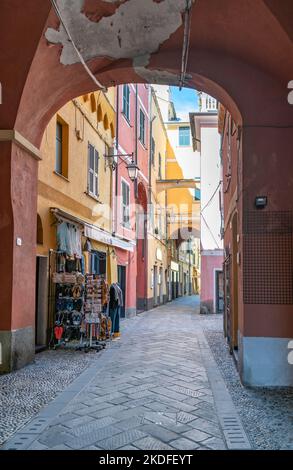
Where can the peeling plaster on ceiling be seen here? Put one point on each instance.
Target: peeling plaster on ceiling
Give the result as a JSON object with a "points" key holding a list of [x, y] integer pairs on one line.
{"points": [[160, 77], [134, 31]]}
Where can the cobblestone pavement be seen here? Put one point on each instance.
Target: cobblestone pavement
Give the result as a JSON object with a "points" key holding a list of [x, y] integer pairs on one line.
{"points": [[266, 413], [24, 392], [156, 388]]}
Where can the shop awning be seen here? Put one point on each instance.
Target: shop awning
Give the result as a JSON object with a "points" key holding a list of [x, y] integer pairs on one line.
{"points": [[95, 233], [104, 237]]}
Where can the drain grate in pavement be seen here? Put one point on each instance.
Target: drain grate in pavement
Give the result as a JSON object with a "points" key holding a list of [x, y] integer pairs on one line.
{"points": [[25, 436], [234, 433]]}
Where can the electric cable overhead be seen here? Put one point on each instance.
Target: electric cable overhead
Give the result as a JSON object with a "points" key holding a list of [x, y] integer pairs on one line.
{"points": [[186, 38], [212, 197], [79, 55], [209, 229]]}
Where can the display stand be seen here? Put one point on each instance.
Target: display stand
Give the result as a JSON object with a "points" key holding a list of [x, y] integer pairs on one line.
{"points": [[79, 308]]}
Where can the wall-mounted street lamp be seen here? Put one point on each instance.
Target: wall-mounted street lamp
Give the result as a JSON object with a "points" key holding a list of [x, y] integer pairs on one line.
{"points": [[132, 167]]}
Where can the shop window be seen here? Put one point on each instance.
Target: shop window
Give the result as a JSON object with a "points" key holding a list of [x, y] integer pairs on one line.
{"points": [[126, 101], [142, 127], [40, 237], [184, 136], [61, 159], [99, 259], [93, 169], [125, 204]]}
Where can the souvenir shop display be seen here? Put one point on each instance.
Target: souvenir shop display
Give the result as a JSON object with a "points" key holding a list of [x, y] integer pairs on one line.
{"points": [[84, 312], [81, 319], [68, 280], [115, 304], [95, 307]]}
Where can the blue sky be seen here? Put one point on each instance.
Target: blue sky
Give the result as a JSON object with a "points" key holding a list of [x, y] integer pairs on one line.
{"points": [[185, 101]]}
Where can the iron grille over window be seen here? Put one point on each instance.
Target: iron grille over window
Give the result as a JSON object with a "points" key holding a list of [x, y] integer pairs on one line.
{"points": [[268, 257]]}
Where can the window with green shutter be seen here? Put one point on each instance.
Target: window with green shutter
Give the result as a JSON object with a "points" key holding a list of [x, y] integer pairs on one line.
{"points": [[93, 170], [126, 102], [125, 204]]}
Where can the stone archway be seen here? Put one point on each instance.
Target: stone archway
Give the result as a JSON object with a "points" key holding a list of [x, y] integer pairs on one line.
{"points": [[239, 53]]}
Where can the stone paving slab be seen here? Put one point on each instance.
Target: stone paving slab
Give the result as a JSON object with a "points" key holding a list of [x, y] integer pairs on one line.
{"points": [[149, 443], [122, 439], [150, 391], [184, 444]]}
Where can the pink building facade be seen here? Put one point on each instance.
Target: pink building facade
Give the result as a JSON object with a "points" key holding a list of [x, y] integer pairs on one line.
{"points": [[206, 140], [130, 197], [211, 293]]}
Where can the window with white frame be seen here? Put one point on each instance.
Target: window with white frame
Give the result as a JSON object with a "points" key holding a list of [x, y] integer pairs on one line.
{"points": [[93, 170], [126, 101], [125, 204], [142, 127], [184, 136]]}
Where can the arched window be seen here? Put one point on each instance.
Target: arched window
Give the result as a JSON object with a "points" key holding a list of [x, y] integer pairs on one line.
{"points": [[93, 102], [40, 239], [99, 113], [106, 122], [112, 130]]}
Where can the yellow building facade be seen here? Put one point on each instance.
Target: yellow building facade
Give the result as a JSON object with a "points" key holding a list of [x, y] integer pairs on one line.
{"points": [[183, 221], [75, 188], [157, 227], [173, 238]]}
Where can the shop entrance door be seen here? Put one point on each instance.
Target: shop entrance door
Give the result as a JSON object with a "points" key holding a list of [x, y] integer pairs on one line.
{"points": [[161, 287], [155, 286], [41, 302], [227, 301], [219, 292], [173, 286], [122, 283]]}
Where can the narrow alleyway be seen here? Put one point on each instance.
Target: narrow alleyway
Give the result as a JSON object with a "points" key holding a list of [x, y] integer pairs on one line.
{"points": [[157, 388]]}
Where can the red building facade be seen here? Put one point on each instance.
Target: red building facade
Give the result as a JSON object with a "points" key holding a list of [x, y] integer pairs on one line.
{"points": [[130, 197]]}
